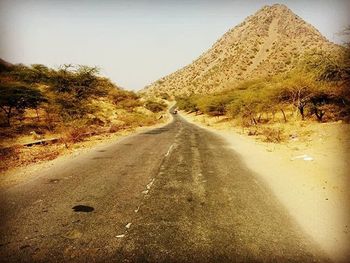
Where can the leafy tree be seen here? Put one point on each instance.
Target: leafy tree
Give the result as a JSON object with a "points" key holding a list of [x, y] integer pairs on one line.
{"points": [[328, 66], [75, 87], [82, 82], [248, 105], [215, 105], [297, 89], [36, 73], [319, 105], [18, 97]]}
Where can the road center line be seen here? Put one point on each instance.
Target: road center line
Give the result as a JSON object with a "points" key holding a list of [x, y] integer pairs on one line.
{"points": [[145, 192], [171, 146]]}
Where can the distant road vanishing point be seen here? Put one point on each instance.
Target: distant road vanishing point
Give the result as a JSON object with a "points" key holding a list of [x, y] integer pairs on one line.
{"points": [[171, 194]]}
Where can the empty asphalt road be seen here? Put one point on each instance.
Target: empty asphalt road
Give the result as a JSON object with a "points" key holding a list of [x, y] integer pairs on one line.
{"points": [[172, 194]]}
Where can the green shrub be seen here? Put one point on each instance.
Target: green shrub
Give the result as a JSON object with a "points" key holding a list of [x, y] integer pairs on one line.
{"points": [[215, 105], [15, 98], [123, 99], [155, 106], [187, 104]]}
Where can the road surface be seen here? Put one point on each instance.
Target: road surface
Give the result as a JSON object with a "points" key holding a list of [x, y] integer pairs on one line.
{"points": [[172, 194]]}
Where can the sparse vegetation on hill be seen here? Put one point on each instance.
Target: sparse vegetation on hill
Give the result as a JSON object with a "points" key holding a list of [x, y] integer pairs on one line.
{"points": [[270, 42], [271, 69], [317, 89], [70, 103]]}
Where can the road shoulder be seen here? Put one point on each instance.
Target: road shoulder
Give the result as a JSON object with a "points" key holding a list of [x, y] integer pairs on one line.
{"points": [[314, 192]]}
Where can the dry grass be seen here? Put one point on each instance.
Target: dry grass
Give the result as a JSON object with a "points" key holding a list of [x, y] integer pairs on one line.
{"points": [[22, 156], [278, 132], [79, 133]]}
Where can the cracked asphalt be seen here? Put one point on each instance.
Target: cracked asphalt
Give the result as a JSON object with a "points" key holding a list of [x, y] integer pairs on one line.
{"points": [[171, 194]]}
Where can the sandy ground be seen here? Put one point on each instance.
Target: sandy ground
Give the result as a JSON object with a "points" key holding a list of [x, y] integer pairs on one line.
{"points": [[309, 175]]}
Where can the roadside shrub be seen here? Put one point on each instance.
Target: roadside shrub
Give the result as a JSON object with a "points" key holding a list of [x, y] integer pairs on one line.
{"points": [[76, 132], [137, 120], [215, 105], [164, 96], [187, 104], [124, 99], [155, 106], [275, 135], [115, 128], [75, 135]]}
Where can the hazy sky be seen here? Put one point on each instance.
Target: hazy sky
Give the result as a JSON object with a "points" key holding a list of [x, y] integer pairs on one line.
{"points": [[137, 42]]}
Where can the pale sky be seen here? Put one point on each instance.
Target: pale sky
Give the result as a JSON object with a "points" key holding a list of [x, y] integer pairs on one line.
{"points": [[137, 42]]}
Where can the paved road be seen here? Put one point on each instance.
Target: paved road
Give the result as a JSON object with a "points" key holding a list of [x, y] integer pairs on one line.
{"points": [[172, 194]]}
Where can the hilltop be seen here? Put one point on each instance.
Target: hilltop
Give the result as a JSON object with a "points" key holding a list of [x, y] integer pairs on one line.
{"points": [[271, 41]]}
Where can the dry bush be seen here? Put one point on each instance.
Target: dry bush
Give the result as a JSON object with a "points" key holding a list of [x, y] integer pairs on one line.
{"points": [[7, 154], [138, 120], [273, 134], [76, 134], [155, 106], [115, 128]]}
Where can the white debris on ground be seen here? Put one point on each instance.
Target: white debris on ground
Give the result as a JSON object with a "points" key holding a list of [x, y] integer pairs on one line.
{"points": [[304, 157], [150, 184]]}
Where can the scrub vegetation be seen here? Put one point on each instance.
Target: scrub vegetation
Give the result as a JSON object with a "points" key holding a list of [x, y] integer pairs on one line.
{"points": [[70, 104], [317, 89]]}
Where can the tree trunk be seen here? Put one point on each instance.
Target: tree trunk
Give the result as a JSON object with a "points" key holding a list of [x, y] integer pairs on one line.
{"points": [[319, 114], [8, 116], [37, 114], [301, 111], [259, 118], [254, 121], [8, 122], [284, 116]]}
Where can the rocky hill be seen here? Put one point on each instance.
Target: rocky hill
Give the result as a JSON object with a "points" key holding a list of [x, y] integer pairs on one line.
{"points": [[272, 40]]}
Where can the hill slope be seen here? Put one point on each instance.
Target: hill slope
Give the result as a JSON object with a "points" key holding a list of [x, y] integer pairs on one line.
{"points": [[266, 43], [4, 65]]}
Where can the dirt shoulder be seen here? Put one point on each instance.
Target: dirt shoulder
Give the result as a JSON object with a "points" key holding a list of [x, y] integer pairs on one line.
{"points": [[308, 174], [43, 156]]}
